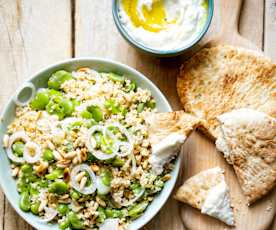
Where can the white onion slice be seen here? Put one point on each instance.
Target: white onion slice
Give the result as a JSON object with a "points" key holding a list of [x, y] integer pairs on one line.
{"points": [[132, 201], [49, 215], [82, 168], [27, 153], [19, 91], [110, 224], [21, 135], [103, 156], [102, 188], [127, 146], [122, 129], [67, 121], [90, 144]]}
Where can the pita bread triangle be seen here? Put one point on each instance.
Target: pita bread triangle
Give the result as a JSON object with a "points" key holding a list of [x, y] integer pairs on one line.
{"points": [[208, 192], [248, 140], [167, 132], [161, 125], [222, 78]]}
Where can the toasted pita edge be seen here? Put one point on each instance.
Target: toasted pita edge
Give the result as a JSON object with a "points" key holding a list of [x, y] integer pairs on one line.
{"points": [[195, 191], [205, 128], [265, 187]]}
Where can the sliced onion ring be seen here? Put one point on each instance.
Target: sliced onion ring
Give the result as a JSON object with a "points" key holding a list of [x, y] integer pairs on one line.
{"points": [[21, 135], [37, 152], [130, 202], [90, 144], [67, 121], [127, 145], [102, 188], [16, 98], [122, 129], [50, 214], [81, 168]]}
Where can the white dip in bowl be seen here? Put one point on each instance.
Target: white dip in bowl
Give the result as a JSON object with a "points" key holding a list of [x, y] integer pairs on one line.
{"points": [[163, 24]]}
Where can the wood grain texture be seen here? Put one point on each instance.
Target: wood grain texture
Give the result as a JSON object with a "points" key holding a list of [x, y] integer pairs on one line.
{"points": [[33, 34], [200, 153], [36, 33], [270, 29]]}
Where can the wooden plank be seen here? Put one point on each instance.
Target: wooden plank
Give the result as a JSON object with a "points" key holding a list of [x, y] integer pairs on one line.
{"points": [[2, 208], [270, 44], [246, 217], [251, 21], [96, 35], [270, 29], [33, 35]]}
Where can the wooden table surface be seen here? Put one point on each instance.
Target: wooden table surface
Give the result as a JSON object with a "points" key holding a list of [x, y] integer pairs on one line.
{"points": [[36, 33]]}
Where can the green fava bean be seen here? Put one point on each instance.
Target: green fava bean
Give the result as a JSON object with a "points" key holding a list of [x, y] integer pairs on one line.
{"points": [[64, 224], [106, 177], [55, 107], [62, 209], [68, 106], [25, 203], [75, 222], [22, 187], [116, 78], [131, 87], [113, 213], [137, 209], [58, 187], [101, 216], [18, 148], [60, 106], [136, 188], [53, 92], [40, 100], [26, 169], [118, 162], [74, 195], [96, 112], [140, 107], [151, 104], [58, 78], [111, 106], [48, 155], [43, 184], [87, 115], [55, 174], [33, 191], [35, 207]]}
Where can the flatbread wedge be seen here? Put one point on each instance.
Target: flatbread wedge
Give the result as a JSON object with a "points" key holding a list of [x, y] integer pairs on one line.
{"points": [[248, 140], [167, 132], [219, 79], [208, 192]]}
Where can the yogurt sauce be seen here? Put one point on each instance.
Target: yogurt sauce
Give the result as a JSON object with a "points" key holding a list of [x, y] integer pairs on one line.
{"points": [[163, 24], [165, 150], [217, 204]]}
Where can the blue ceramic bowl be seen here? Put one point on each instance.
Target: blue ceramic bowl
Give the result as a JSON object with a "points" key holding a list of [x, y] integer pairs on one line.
{"points": [[155, 52], [40, 80]]}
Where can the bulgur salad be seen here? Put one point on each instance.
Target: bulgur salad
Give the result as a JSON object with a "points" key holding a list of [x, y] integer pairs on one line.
{"points": [[79, 151]]}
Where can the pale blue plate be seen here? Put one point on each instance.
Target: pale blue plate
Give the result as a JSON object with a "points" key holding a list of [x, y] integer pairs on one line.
{"points": [[40, 80]]}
